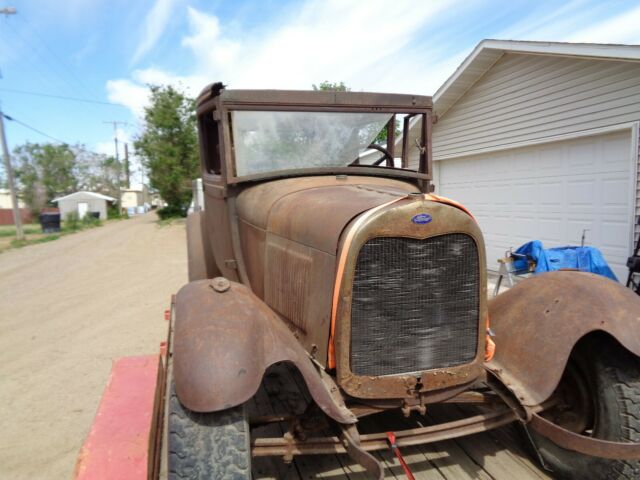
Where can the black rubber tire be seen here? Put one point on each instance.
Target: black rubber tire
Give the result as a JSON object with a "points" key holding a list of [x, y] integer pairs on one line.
{"points": [[613, 375], [208, 445]]}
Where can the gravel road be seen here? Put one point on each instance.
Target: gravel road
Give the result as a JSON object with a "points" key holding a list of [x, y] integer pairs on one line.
{"points": [[67, 308]]}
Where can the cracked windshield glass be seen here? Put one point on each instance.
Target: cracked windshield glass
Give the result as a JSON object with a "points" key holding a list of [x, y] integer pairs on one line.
{"points": [[272, 141]]}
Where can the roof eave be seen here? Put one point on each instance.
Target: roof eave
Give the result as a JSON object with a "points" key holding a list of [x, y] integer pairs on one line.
{"points": [[489, 51]]}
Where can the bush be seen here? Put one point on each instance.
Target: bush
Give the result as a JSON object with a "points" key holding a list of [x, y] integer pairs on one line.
{"points": [[172, 211], [113, 211], [91, 221], [72, 221]]}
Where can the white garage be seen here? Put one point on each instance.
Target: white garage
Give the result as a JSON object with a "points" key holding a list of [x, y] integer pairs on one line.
{"points": [[540, 141]]}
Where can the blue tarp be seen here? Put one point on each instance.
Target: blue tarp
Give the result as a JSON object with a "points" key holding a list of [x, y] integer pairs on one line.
{"points": [[586, 259]]}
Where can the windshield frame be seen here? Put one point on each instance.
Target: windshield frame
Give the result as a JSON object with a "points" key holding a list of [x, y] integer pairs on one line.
{"points": [[221, 105]]}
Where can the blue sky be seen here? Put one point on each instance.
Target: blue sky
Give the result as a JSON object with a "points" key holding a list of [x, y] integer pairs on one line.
{"points": [[108, 51]]}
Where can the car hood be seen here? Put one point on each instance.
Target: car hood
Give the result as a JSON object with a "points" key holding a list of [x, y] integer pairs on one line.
{"points": [[313, 211]]}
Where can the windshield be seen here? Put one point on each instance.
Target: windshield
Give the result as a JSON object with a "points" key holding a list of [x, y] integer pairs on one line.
{"points": [[268, 141]]}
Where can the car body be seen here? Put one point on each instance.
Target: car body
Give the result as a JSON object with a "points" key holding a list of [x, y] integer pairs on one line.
{"points": [[322, 244]]}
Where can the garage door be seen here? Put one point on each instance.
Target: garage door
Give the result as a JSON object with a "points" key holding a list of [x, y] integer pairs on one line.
{"points": [[551, 192]]}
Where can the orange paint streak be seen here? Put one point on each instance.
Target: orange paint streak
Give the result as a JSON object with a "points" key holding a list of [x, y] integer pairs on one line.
{"points": [[448, 201]]}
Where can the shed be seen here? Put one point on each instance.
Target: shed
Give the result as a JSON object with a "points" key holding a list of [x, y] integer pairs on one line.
{"points": [[83, 203], [134, 197], [540, 141]]}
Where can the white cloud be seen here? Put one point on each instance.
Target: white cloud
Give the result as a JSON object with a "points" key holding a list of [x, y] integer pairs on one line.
{"points": [[134, 93], [130, 94], [577, 21], [105, 148], [368, 46], [333, 40], [154, 76], [154, 25], [623, 28], [206, 41], [544, 24]]}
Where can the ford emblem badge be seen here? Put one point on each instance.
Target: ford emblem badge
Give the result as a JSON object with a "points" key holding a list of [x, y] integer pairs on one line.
{"points": [[421, 218]]}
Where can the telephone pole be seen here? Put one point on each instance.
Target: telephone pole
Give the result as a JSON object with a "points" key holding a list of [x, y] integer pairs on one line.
{"points": [[115, 124], [12, 188], [126, 164], [115, 134], [7, 159]]}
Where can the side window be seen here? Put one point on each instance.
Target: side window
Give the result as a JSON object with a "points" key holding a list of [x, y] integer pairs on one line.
{"points": [[210, 143]]}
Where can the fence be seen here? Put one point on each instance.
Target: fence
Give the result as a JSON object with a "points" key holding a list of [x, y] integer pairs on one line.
{"points": [[6, 216]]}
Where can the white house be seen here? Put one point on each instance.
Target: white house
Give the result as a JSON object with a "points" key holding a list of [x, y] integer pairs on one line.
{"points": [[5, 199], [540, 141], [83, 203], [134, 197]]}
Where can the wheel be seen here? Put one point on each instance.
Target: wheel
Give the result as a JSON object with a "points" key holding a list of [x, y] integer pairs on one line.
{"points": [[599, 397], [208, 445]]}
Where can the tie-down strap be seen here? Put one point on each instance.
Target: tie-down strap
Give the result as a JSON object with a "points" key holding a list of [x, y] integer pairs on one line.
{"points": [[586, 445]]}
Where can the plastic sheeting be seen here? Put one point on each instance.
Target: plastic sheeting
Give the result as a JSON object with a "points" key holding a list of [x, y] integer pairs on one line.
{"points": [[586, 259]]}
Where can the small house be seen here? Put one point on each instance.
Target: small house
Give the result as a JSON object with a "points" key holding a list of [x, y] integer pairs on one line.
{"points": [[134, 197], [84, 203]]}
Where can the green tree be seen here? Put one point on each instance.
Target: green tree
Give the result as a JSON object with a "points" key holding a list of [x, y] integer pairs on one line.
{"points": [[45, 171], [331, 87], [99, 173], [168, 146], [328, 86]]}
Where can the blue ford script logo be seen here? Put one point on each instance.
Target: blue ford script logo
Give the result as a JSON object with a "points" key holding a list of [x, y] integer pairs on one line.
{"points": [[421, 218]]}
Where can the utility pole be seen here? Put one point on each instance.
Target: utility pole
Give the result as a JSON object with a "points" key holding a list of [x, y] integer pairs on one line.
{"points": [[115, 134], [12, 188], [126, 164], [7, 159], [115, 124]]}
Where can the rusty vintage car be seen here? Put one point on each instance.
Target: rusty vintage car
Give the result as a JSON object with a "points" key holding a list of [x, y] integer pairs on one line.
{"points": [[323, 245]]}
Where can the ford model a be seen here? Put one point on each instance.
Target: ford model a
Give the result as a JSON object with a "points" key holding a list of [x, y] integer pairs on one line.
{"points": [[322, 245]]}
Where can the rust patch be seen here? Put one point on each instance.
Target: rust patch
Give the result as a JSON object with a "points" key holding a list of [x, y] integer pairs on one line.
{"points": [[286, 291], [538, 322]]}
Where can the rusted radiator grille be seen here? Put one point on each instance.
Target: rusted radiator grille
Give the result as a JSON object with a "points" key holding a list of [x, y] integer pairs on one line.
{"points": [[415, 304]]}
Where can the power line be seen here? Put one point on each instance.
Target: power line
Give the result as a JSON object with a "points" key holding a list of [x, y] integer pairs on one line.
{"points": [[44, 60], [11, 119], [30, 65], [59, 62], [62, 97], [34, 129]]}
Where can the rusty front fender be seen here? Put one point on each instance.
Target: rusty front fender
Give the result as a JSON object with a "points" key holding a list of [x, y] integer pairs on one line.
{"points": [[224, 340], [538, 322]]}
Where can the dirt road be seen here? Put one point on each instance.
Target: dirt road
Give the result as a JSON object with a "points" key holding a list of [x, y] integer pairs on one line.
{"points": [[66, 309]]}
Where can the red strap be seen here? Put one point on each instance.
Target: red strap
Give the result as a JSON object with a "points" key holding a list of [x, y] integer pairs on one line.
{"points": [[392, 441]]}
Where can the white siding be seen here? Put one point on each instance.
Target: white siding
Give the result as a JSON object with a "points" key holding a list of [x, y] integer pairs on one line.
{"points": [[70, 205], [525, 98], [637, 216]]}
